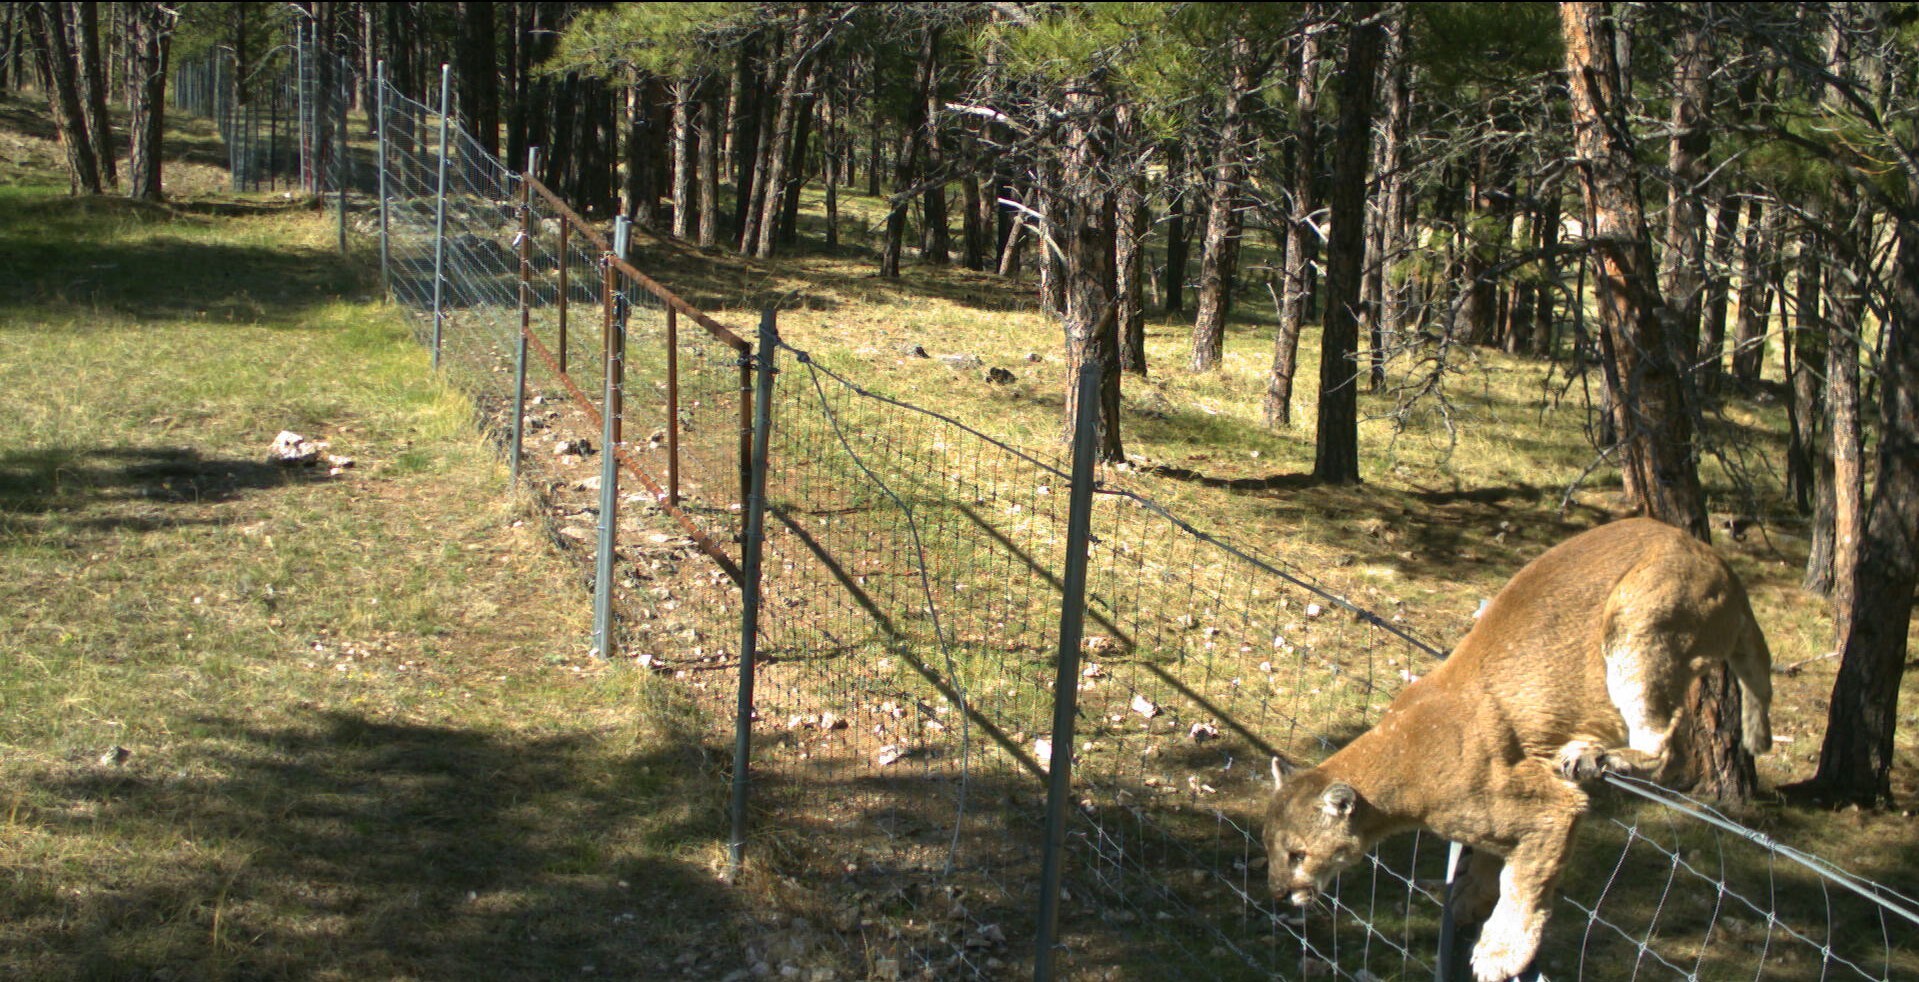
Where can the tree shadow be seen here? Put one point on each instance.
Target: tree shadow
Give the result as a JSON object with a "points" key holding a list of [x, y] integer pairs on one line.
{"points": [[340, 845], [59, 251]]}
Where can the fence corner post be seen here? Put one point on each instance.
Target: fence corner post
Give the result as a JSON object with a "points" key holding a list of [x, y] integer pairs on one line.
{"points": [[1072, 628], [750, 552]]}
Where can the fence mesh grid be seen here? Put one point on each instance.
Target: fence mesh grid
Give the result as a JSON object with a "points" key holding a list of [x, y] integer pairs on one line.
{"points": [[909, 633]]}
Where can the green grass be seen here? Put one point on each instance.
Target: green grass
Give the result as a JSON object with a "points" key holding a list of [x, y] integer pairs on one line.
{"points": [[357, 734]]}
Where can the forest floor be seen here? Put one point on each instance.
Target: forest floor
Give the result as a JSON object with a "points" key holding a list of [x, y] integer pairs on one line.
{"points": [[259, 722]]}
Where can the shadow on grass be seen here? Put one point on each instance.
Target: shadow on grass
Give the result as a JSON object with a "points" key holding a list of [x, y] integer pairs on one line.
{"points": [[338, 845], [91, 482], [60, 250]]}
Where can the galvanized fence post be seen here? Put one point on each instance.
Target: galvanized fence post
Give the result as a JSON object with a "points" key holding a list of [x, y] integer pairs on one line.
{"points": [[603, 641], [1072, 626], [622, 234], [750, 550], [672, 406], [379, 86], [344, 172], [526, 309], [439, 223]]}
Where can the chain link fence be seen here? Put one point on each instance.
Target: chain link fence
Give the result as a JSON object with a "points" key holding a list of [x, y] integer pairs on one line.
{"points": [[882, 630]]}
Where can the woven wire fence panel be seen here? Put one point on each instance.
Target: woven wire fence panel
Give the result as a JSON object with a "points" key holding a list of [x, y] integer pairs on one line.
{"points": [[688, 393], [477, 259], [1204, 660], [909, 645], [1656, 893]]}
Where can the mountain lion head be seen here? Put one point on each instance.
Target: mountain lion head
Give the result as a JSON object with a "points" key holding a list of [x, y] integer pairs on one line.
{"points": [[1310, 834]]}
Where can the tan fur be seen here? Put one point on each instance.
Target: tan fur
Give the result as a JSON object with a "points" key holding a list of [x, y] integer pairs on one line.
{"points": [[1576, 668]]}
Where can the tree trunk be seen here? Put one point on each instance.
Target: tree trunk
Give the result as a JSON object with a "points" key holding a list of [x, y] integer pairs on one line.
{"points": [[153, 41], [1712, 331], [1841, 465], [708, 140], [478, 79], [907, 168], [1855, 762], [1277, 408], [93, 85], [1810, 340], [48, 22], [1172, 284], [1336, 453], [684, 153], [1682, 278], [1395, 197], [1130, 263], [773, 170], [1082, 217], [974, 219], [1755, 304], [745, 142], [1216, 264], [1643, 361]]}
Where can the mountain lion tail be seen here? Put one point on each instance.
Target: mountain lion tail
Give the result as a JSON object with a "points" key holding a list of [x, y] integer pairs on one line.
{"points": [[1751, 664]]}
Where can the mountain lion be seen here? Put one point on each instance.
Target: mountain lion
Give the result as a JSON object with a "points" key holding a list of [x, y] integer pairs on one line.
{"points": [[1575, 669]]}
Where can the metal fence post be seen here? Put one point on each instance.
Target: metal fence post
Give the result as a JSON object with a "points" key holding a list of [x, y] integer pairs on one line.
{"points": [[609, 476], [672, 406], [526, 309], [622, 232], [344, 172], [1445, 966], [750, 551], [439, 223], [1072, 626], [379, 75]]}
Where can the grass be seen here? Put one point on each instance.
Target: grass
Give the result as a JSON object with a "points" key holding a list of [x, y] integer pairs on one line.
{"points": [[266, 722]]}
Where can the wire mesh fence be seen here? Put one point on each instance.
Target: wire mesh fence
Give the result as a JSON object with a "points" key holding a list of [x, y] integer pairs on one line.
{"points": [[905, 685]]}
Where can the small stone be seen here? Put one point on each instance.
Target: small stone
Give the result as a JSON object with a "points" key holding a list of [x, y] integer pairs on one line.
{"points": [[962, 361], [1145, 707], [1000, 376]]}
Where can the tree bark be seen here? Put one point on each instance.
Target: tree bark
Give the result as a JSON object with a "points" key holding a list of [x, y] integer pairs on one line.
{"points": [[1218, 262], [478, 79], [1682, 276], [1172, 284], [1755, 303], [1083, 215], [1130, 263], [93, 85], [685, 151], [1277, 407], [48, 23], [773, 170], [153, 41], [1643, 359], [1336, 453], [708, 140], [1712, 330], [1855, 761], [907, 169]]}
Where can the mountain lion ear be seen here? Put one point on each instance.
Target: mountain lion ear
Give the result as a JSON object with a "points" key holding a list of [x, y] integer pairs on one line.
{"points": [[1339, 801], [1282, 769]]}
